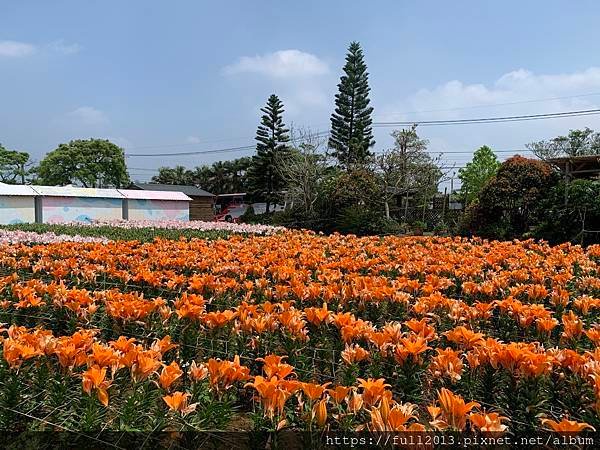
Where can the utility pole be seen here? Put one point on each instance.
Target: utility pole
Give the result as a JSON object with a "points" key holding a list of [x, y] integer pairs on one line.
{"points": [[451, 188]]}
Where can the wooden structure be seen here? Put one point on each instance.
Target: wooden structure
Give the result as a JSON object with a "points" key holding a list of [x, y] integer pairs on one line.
{"points": [[577, 167], [573, 167], [201, 206]]}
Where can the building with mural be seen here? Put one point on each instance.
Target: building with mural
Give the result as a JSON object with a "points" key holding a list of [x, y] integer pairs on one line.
{"points": [[17, 204], [155, 205], [60, 204]]}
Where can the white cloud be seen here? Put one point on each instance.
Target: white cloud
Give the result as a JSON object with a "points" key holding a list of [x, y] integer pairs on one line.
{"points": [[60, 46], [122, 142], [14, 49], [302, 81], [279, 64], [87, 116], [193, 140], [519, 92]]}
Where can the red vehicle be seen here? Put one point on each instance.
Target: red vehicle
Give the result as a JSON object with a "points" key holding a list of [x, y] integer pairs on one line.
{"points": [[230, 207]]}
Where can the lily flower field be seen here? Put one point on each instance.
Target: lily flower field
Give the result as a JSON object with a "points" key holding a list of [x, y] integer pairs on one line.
{"points": [[296, 330]]}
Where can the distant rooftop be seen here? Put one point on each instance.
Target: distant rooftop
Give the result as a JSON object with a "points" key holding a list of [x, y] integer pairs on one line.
{"points": [[191, 191], [586, 158], [585, 166], [142, 194], [74, 191]]}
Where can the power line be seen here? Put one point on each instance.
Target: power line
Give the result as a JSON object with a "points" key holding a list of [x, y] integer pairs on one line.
{"points": [[198, 152], [520, 102], [187, 144], [501, 119], [517, 150], [205, 152], [584, 112]]}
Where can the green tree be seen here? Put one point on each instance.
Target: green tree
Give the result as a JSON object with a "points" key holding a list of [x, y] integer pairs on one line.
{"points": [[576, 143], [264, 178], [478, 172], [91, 163], [351, 132], [221, 177], [509, 203], [14, 166], [560, 222], [228, 177], [304, 168], [407, 168], [174, 175]]}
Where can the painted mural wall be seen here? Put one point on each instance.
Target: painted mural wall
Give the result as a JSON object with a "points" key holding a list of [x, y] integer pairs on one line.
{"points": [[158, 209], [80, 209], [17, 209]]}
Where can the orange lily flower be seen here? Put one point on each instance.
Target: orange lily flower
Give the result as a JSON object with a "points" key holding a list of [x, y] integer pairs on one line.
{"points": [[339, 393], [169, 375], [488, 422], [319, 412], [355, 353], [566, 425], [313, 391], [453, 411], [94, 378], [198, 372], [464, 337], [373, 390], [178, 401]]}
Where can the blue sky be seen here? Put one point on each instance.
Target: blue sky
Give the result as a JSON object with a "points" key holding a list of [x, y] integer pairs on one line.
{"points": [[157, 76]]}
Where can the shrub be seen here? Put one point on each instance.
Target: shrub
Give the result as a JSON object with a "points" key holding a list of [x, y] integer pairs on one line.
{"points": [[508, 205], [564, 221], [249, 216], [362, 221]]}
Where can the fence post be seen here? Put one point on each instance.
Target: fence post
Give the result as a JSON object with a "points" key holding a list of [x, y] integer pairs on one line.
{"points": [[444, 205]]}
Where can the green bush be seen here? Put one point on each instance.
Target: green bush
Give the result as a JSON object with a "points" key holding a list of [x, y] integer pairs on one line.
{"points": [[441, 229], [362, 221], [508, 205], [249, 216], [561, 222]]}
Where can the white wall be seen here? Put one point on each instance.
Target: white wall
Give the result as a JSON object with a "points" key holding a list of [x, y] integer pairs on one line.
{"points": [[16, 209], [158, 209], [80, 209]]}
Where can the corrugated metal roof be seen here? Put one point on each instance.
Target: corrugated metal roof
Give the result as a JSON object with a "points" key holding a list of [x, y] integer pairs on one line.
{"points": [[16, 189], [153, 195], [191, 191], [72, 191]]}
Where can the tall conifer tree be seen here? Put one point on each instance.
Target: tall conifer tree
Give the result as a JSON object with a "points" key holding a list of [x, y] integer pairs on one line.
{"points": [[351, 132], [265, 180]]}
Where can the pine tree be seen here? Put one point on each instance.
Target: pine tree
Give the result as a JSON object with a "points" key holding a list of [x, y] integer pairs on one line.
{"points": [[351, 132], [272, 137]]}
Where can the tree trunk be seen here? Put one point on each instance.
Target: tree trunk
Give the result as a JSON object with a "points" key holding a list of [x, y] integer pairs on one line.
{"points": [[269, 189], [387, 209]]}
